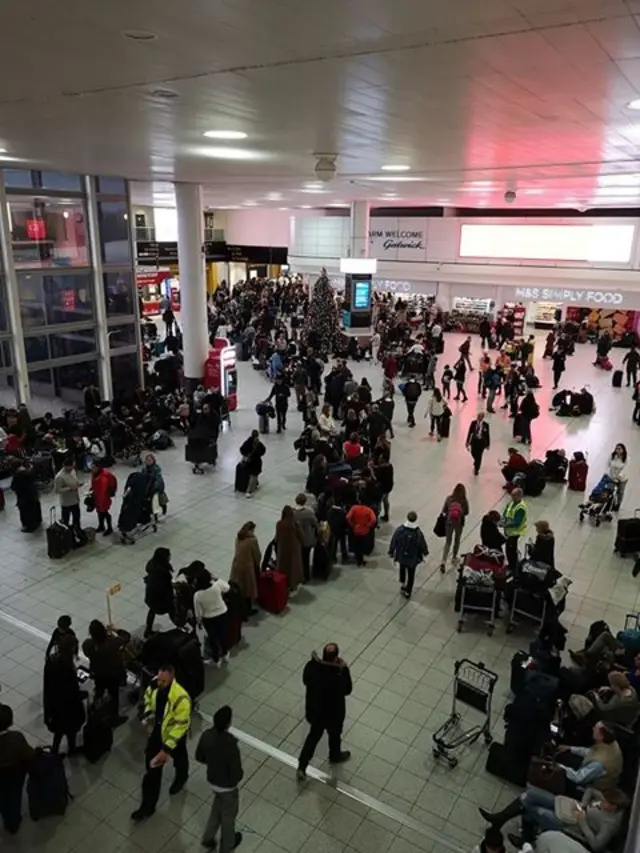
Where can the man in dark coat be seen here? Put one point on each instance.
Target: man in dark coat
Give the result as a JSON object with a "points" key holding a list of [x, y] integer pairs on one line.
{"points": [[158, 587], [328, 683], [478, 440], [412, 391], [280, 393]]}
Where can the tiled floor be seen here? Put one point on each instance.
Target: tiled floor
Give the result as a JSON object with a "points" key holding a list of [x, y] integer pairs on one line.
{"points": [[401, 654]]}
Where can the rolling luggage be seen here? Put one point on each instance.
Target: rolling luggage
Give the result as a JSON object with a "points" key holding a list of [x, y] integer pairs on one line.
{"points": [[578, 473], [97, 734], [628, 535], [47, 786], [616, 379], [439, 345], [444, 427], [500, 763], [242, 477], [59, 537], [272, 591]]}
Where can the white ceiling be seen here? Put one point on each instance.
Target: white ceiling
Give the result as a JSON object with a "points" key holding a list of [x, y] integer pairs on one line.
{"points": [[477, 96]]}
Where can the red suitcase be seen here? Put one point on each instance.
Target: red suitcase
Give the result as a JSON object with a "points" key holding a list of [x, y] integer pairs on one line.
{"points": [[578, 473], [272, 591]]}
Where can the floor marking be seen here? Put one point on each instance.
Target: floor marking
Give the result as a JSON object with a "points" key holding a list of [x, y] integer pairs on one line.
{"points": [[291, 761]]}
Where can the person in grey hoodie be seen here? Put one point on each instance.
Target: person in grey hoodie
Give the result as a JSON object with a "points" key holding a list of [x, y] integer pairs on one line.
{"points": [[218, 749], [67, 487], [308, 524], [408, 548]]}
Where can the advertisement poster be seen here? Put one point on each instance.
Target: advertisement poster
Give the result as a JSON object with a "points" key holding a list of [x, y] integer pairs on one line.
{"points": [[398, 239]]}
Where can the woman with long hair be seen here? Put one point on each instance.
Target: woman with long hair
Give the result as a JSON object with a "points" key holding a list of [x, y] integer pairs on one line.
{"points": [[455, 510], [618, 470]]}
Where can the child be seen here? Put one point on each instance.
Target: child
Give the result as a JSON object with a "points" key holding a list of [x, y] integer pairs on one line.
{"points": [[447, 377], [63, 629]]}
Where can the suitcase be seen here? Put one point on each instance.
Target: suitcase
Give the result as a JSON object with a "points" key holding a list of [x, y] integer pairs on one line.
{"points": [[519, 669], [234, 629], [97, 734], [439, 345], [444, 427], [578, 473], [242, 477], [499, 763], [47, 786], [321, 565], [616, 379], [272, 591], [628, 535], [263, 424], [59, 537]]}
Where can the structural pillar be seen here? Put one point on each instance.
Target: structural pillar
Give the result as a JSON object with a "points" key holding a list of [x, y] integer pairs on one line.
{"points": [[359, 231], [99, 301], [193, 288], [20, 370]]}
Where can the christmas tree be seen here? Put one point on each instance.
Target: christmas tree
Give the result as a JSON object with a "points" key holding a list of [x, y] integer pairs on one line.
{"points": [[321, 328]]}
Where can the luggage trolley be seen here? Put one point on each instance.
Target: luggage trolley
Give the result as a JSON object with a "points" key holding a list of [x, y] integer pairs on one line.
{"points": [[473, 685]]}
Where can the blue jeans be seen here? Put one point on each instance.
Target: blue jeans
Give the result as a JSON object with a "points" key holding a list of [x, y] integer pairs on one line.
{"points": [[539, 809]]}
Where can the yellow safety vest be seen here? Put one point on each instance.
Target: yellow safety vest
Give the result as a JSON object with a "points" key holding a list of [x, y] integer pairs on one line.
{"points": [[509, 515], [177, 713]]}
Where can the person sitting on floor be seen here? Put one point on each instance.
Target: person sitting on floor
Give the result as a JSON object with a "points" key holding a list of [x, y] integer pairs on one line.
{"points": [[516, 463], [542, 550]]}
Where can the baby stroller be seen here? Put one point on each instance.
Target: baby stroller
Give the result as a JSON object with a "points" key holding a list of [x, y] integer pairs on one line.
{"points": [[602, 503]]}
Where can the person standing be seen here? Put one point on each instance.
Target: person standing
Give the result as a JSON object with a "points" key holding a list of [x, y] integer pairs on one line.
{"points": [[558, 366], [16, 756], [514, 522], [478, 440], [245, 566], [62, 698], [383, 473], [361, 520], [210, 611], [168, 318], [218, 749], [25, 487], [288, 541], [167, 711], [529, 411], [465, 352], [308, 524], [67, 487], [435, 410], [103, 489], [252, 451], [455, 510], [459, 376], [484, 328], [631, 361], [618, 471], [280, 393], [411, 391], [328, 683], [106, 664], [158, 594], [408, 548]]}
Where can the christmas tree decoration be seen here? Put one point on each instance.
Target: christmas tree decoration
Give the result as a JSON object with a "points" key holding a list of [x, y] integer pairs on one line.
{"points": [[321, 327]]}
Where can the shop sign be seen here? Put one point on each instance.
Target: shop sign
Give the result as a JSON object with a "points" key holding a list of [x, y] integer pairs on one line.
{"points": [[149, 279], [36, 229], [396, 239], [389, 285], [578, 297]]}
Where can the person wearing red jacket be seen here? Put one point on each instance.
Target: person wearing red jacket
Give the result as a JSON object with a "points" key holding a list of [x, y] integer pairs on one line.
{"points": [[361, 520], [103, 488]]}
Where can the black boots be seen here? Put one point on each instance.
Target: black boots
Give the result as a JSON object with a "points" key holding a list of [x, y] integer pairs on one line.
{"points": [[498, 819]]}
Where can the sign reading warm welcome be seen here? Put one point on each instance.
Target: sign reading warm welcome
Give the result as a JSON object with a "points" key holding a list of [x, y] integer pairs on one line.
{"points": [[398, 239]]}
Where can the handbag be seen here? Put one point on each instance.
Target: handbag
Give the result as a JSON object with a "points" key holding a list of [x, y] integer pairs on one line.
{"points": [[440, 527], [90, 502], [544, 773], [566, 810]]}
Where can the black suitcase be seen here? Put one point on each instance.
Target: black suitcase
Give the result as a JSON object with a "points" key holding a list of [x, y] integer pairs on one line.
{"points": [[444, 427], [616, 379], [500, 763], [518, 671], [47, 786], [439, 345], [97, 734], [628, 535], [321, 565], [59, 537], [242, 477]]}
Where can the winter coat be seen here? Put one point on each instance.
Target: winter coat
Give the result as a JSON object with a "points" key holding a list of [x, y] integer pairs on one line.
{"points": [[491, 535], [308, 524], [103, 488], [62, 701], [289, 551], [408, 546], [253, 453], [328, 685], [543, 549], [154, 478], [361, 519], [245, 564], [158, 594]]}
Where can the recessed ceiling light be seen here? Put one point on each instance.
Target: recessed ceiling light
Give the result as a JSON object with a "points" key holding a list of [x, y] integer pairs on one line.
{"points": [[476, 188], [481, 183], [3, 150], [225, 134], [533, 192], [395, 167], [314, 185], [139, 35], [315, 191], [283, 208], [634, 105], [337, 204], [396, 179], [250, 203], [166, 94], [274, 196], [305, 206], [220, 153], [443, 200]]}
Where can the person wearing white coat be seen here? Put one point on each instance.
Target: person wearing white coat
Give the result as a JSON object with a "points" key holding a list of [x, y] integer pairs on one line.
{"points": [[618, 470], [435, 410]]}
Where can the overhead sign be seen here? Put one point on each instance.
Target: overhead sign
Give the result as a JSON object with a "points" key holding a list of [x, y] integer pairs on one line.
{"points": [[398, 239], [576, 297]]}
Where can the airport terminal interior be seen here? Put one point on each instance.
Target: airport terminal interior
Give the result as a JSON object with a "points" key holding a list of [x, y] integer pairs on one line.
{"points": [[166, 175]]}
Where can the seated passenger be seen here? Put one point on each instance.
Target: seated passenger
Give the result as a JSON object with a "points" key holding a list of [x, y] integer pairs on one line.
{"points": [[514, 464], [542, 550]]}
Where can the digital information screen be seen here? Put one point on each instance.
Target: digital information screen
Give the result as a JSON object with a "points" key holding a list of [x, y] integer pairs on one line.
{"points": [[361, 294]]}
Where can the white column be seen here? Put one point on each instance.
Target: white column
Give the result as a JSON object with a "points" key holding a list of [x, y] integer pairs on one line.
{"points": [[99, 302], [193, 290], [360, 229], [20, 371]]}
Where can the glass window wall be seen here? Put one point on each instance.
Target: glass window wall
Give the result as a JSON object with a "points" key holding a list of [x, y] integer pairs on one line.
{"points": [[113, 219], [111, 186], [47, 233], [47, 300], [122, 336], [124, 374], [65, 344], [118, 293]]}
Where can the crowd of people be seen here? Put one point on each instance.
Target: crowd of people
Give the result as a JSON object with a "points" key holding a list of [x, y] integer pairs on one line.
{"points": [[346, 445]]}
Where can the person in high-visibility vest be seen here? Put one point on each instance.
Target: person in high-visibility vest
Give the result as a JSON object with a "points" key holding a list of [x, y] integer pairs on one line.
{"points": [[167, 711], [514, 521]]}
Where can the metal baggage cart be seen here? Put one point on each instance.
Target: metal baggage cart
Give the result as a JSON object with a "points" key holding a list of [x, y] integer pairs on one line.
{"points": [[518, 608], [473, 685], [476, 600]]}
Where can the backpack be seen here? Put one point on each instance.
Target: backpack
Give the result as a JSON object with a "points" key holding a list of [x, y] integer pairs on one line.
{"points": [[408, 544], [454, 513]]}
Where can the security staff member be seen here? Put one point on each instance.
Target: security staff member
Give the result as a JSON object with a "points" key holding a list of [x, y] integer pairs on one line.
{"points": [[514, 520], [167, 710]]}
